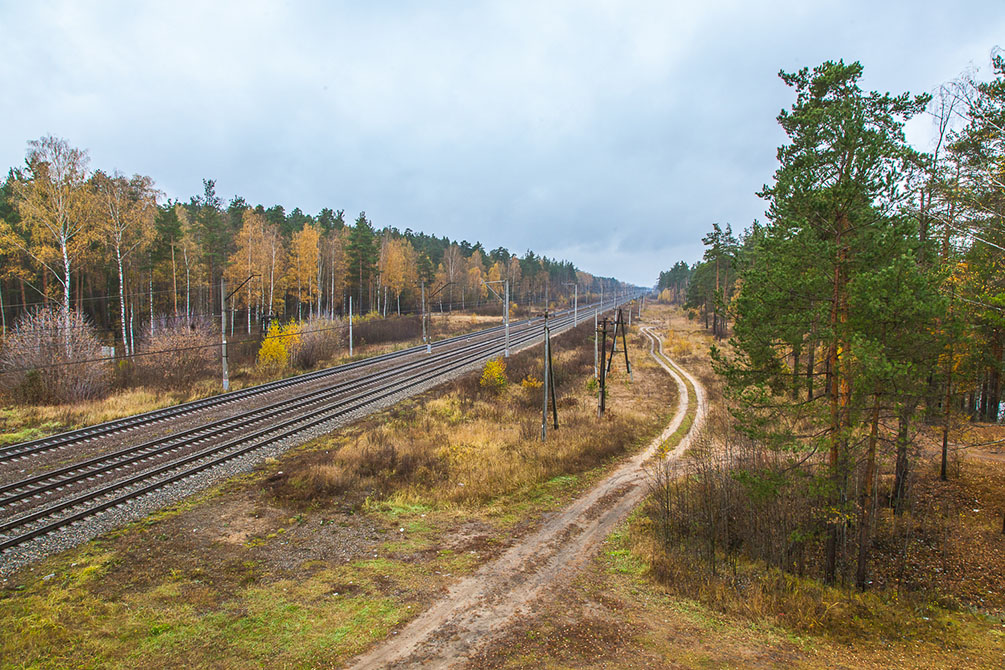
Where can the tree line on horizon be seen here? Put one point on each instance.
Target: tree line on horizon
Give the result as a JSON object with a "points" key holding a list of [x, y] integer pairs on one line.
{"points": [[869, 307], [108, 246]]}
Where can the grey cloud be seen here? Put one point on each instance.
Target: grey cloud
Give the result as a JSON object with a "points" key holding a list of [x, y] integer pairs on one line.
{"points": [[611, 134]]}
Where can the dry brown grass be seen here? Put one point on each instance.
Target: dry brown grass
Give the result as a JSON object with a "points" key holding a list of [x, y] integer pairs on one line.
{"points": [[470, 444]]}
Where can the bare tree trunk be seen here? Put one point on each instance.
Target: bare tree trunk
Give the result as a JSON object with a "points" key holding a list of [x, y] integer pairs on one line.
{"points": [[809, 371], [865, 501], [188, 290], [835, 383], [66, 294], [272, 280], [24, 296], [132, 341], [794, 393], [174, 280], [151, 299], [903, 463], [122, 301]]}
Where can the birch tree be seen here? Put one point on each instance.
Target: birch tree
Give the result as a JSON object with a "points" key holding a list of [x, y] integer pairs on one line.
{"points": [[55, 205], [303, 262], [127, 208]]}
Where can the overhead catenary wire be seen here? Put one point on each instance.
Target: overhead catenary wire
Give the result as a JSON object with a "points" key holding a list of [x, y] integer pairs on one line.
{"points": [[172, 350]]}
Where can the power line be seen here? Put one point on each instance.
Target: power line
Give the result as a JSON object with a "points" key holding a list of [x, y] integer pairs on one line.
{"points": [[176, 349]]}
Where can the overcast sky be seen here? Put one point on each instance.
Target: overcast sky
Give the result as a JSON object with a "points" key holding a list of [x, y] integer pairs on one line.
{"points": [[611, 134]]}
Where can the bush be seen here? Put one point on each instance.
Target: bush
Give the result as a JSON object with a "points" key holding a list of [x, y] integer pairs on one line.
{"points": [[302, 344], [275, 350], [494, 375], [44, 362], [372, 329], [531, 383], [319, 340], [191, 351]]}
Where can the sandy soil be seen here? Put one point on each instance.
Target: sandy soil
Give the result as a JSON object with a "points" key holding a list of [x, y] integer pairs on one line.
{"points": [[481, 608]]}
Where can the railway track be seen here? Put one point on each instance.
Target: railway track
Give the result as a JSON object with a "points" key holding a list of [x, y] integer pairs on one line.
{"points": [[54, 499], [81, 435]]}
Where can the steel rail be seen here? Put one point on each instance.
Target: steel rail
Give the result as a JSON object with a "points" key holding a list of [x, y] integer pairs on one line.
{"points": [[65, 476], [61, 440]]}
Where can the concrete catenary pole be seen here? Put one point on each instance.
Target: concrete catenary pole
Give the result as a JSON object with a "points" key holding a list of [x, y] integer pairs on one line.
{"points": [[223, 334], [425, 338], [544, 409], [350, 326], [506, 319], [596, 343]]}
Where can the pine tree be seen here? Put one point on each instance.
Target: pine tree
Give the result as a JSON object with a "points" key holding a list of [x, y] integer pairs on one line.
{"points": [[834, 227], [362, 255]]}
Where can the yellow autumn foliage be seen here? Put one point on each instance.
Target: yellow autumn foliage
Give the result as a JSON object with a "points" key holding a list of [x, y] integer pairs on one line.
{"points": [[276, 347], [494, 375]]}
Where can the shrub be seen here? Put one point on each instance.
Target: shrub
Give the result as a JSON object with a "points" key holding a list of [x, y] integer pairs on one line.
{"points": [[190, 352], [531, 386], [677, 348], [372, 329], [275, 349], [494, 375], [319, 340], [45, 362], [531, 383]]}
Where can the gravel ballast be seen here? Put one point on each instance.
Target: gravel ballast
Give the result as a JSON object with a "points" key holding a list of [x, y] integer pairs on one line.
{"points": [[141, 506]]}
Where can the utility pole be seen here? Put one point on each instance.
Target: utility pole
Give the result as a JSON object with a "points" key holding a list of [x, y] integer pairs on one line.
{"points": [[595, 344], [549, 383], [505, 299], [506, 317], [429, 347], [223, 334], [575, 303], [350, 326], [544, 409], [620, 321], [603, 369]]}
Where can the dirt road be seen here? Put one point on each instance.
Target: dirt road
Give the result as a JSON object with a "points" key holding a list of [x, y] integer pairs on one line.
{"points": [[478, 608]]}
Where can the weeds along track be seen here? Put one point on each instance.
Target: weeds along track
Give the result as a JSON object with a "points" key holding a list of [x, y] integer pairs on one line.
{"points": [[477, 609], [80, 436], [53, 499], [55, 450]]}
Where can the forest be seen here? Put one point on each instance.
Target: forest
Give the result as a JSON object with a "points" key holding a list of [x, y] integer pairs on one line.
{"points": [[105, 256], [107, 246], [860, 328]]}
